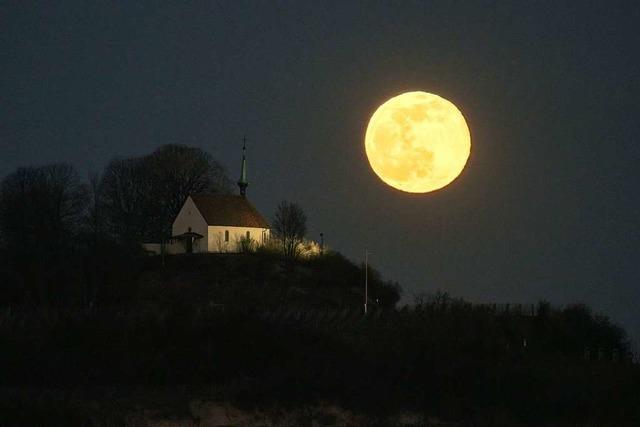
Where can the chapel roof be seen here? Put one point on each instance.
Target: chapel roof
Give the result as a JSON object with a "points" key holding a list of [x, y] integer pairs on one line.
{"points": [[229, 210]]}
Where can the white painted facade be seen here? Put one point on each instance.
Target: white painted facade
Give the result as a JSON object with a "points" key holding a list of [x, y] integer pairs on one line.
{"points": [[189, 219], [227, 238], [216, 238]]}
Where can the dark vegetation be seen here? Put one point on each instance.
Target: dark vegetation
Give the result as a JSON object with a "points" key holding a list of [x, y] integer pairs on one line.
{"points": [[83, 307], [445, 357], [290, 225], [63, 241], [258, 281]]}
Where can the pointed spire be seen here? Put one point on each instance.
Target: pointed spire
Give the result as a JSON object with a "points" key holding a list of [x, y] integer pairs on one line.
{"points": [[242, 182]]}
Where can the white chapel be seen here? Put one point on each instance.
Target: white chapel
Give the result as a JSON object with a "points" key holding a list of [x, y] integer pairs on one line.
{"points": [[218, 222]]}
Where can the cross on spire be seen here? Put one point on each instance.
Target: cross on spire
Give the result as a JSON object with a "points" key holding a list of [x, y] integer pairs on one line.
{"points": [[242, 182]]}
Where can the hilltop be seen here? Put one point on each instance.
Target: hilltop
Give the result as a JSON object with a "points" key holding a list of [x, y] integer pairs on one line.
{"points": [[261, 280]]}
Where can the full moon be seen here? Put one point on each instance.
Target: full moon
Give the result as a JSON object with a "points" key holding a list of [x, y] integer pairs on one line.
{"points": [[417, 142]]}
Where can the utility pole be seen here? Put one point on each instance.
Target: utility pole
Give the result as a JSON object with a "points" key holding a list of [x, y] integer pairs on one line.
{"points": [[321, 243], [366, 279]]}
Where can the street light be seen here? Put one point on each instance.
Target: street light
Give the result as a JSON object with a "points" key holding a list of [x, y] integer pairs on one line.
{"points": [[366, 279]]}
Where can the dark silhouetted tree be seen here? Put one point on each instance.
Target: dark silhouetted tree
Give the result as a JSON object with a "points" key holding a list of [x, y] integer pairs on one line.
{"points": [[41, 207], [143, 195], [290, 227], [94, 220], [40, 217], [126, 187], [176, 172]]}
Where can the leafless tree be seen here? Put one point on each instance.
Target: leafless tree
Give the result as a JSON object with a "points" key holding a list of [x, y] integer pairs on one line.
{"points": [[94, 215], [126, 187], [290, 227], [40, 216], [178, 171], [143, 195], [41, 207]]}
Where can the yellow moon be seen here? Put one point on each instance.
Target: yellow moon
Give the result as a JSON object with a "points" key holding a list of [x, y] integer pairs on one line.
{"points": [[417, 142]]}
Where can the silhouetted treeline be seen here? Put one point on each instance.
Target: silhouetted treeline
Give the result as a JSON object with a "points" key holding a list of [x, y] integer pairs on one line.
{"points": [[60, 236], [141, 196], [458, 361]]}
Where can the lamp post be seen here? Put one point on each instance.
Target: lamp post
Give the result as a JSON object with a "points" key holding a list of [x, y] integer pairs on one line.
{"points": [[366, 279]]}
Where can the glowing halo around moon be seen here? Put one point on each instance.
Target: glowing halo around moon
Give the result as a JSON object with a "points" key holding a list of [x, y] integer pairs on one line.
{"points": [[417, 142]]}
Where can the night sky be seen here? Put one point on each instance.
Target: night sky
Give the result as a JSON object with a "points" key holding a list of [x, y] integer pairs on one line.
{"points": [[547, 207]]}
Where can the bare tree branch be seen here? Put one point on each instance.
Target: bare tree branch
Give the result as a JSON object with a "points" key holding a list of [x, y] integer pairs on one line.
{"points": [[290, 227]]}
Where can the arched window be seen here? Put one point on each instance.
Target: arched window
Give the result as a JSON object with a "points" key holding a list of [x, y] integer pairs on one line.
{"points": [[226, 235]]}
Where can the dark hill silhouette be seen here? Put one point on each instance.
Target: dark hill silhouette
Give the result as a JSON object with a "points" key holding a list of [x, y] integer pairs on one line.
{"points": [[260, 335], [259, 280]]}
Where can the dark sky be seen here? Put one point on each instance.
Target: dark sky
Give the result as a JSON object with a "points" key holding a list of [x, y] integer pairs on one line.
{"points": [[547, 206]]}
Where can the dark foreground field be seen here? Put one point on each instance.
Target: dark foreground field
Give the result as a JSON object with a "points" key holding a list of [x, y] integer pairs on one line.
{"points": [[455, 364], [244, 340]]}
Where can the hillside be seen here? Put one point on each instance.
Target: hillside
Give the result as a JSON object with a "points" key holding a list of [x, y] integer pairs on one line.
{"points": [[220, 331], [260, 280]]}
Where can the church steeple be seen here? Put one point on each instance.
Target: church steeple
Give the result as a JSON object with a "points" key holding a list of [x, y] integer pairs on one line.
{"points": [[242, 182]]}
